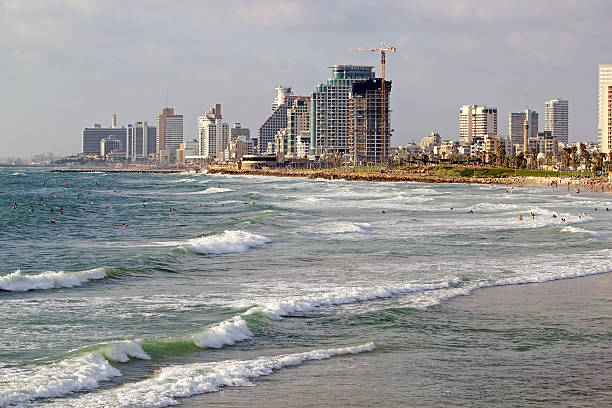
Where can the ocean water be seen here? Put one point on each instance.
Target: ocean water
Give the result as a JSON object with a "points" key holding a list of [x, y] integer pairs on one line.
{"points": [[151, 290]]}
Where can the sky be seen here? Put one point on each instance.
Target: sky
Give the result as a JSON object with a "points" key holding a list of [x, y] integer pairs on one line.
{"points": [[69, 63]]}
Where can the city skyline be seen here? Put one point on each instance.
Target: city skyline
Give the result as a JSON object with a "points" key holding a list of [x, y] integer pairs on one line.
{"points": [[68, 81]]}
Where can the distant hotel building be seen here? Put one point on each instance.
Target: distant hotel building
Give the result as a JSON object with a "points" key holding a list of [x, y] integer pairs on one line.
{"points": [[277, 119], [169, 132], [604, 127], [516, 125], [556, 119], [367, 141], [141, 141], [329, 116], [298, 125], [476, 122], [213, 134], [92, 136]]}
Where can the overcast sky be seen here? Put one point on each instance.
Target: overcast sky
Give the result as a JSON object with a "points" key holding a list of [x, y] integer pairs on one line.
{"points": [[69, 63]]}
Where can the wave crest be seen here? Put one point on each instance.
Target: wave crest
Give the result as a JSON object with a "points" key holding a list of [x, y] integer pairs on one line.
{"points": [[227, 242], [18, 282]]}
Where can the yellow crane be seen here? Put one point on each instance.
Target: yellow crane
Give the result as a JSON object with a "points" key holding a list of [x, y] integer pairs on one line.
{"points": [[383, 56]]}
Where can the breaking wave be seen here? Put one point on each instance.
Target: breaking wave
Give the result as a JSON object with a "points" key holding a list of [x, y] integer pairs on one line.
{"points": [[181, 381], [18, 282], [212, 190], [340, 227], [279, 308], [226, 242]]}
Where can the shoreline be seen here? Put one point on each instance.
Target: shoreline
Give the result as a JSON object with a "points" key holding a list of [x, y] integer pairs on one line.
{"points": [[405, 176]]}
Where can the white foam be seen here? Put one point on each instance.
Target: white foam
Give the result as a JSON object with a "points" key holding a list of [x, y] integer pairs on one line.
{"points": [[181, 381], [122, 351], [278, 308], [17, 282], [184, 180], [226, 242], [212, 190], [225, 333], [339, 227], [54, 380], [576, 230]]}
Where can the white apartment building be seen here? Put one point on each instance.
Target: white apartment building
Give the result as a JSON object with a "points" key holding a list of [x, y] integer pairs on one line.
{"points": [[476, 121], [213, 134], [604, 126], [516, 122], [329, 130], [556, 118]]}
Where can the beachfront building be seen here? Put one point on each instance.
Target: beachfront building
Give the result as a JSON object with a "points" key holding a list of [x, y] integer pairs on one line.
{"points": [[277, 119], [169, 133], [476, 122], [369, 131], [429, 141], [187, 149], [237, 132], [604, 124], [92, 136], [516, 122], [109, 145], [213, 134], [298, 122], [302, 145], [329, 112], [141, 141], [556, 118]]}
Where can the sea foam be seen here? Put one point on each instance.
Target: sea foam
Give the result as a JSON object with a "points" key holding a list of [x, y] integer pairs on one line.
{"points": [[74, 374], [212, 190], [279, 308], [226, 242], [225, 333], [18, 282], [181, 381]]}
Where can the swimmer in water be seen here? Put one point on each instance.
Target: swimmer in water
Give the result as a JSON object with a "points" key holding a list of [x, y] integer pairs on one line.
{"points": [[520, 218], [14, 206]]}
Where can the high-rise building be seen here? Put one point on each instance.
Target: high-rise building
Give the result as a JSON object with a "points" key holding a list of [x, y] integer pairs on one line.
{"points": [[367, 141], [213, 134], [237, 132], [92, 136], [169, 132], [140, 141], [277, 119], [329, 112], [515, 125], [556, 118], [604, 127], [476, 122], [298, 122]]}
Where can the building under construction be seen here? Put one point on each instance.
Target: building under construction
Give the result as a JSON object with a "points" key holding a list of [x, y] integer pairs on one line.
{"points": [[369, 132]]}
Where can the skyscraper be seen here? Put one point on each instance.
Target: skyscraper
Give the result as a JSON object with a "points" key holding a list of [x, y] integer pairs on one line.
{"points": [[169, 131], [476, 122], [278, 118], [516, 124], [556, 118], [366, 140], [140, 141], [604, 127], [213, 134], [329, 113]]}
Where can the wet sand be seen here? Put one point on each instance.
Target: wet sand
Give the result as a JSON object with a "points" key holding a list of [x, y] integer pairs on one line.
{"points": [[542, 330]]}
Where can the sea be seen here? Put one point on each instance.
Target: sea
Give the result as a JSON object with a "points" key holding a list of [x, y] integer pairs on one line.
{"points": [[153, 290]]}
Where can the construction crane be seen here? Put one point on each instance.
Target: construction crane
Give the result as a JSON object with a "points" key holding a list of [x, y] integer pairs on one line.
{"points": [[383, 56]]}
